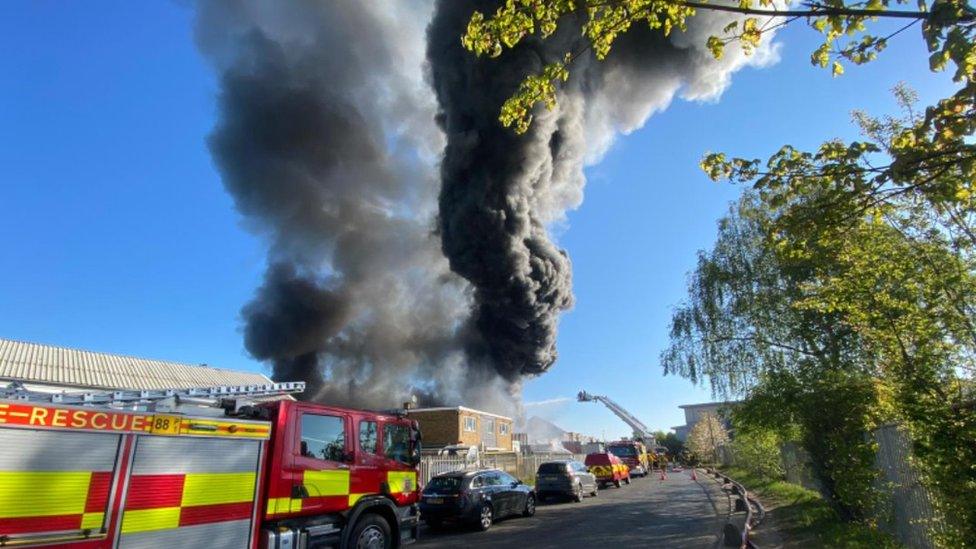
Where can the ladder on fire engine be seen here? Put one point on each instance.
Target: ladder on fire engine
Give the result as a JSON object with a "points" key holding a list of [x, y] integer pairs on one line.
{"points": [[230, 397], [640, 430]]}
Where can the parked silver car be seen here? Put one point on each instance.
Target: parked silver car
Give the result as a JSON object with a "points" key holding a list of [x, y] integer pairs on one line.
{"points": [[564, 478]]}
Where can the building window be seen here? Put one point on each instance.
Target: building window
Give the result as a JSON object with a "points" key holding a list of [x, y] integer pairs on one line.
{"points": [[323, 437], [503, 428], [470, 424], [367, 436]]}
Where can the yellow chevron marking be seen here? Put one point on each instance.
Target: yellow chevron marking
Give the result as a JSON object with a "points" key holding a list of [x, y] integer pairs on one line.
{"points": [[277, 506], [144, 520], [43, 493], [92, 521], [353, 498], [401, 481], [214, 488], [327, 483]]}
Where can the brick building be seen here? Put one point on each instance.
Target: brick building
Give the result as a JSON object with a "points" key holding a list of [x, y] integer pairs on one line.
{"points": [[459, 425]]}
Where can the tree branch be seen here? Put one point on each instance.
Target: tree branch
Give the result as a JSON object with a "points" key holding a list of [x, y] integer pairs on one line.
{"points": [[763, 342], [817, 11]]}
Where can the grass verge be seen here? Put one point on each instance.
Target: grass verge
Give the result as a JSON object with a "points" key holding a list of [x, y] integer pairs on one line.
{"points": [[803, 519]]}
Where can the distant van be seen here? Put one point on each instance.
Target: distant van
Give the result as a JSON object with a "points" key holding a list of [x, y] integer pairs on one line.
{"points": [[608, 469]]}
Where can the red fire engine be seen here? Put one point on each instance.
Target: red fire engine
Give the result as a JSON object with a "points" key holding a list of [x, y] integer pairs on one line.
{"points": [[203, 468]]}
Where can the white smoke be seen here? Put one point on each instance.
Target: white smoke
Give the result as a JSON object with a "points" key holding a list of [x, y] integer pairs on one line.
{"points": [[631, 97]]}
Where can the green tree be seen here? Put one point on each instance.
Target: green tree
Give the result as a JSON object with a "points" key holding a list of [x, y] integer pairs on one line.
{"points": [[892, 253], [671, 442], [706, 436], [806, 374], [757, 450], [947, 27]]}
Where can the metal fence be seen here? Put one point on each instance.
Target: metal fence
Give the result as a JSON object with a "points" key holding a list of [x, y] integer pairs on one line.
{"points": [[910, 516], [522, 467], [907, 513]]}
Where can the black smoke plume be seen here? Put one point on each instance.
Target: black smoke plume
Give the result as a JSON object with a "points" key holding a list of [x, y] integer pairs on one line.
{"points": [[394, 271], [501, 191], [325, 140]]}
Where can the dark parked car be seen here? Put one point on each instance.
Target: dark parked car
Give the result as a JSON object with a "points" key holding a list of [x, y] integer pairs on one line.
{"points": [[564, 478], [475, 497]]}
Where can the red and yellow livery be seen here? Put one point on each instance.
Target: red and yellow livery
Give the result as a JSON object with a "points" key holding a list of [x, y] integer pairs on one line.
{"points": [[87, 477], [608, 469]]}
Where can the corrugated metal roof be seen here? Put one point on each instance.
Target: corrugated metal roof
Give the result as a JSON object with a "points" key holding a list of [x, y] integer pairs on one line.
{"points": [[61, 366]]}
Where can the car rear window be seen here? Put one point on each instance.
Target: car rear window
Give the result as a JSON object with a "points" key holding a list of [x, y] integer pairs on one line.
{"points": [[552, 469], [444, 485]]}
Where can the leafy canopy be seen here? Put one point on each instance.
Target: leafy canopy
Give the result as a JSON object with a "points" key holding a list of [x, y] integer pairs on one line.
{"points": [[846, 297], [947, 27]]}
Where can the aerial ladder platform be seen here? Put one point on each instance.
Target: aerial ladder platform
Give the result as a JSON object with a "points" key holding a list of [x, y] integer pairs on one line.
{"points": [[641, 431]]}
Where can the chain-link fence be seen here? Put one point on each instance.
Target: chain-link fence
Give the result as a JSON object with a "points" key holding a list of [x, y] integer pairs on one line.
{"points": [[907, 513], [910, 516]]}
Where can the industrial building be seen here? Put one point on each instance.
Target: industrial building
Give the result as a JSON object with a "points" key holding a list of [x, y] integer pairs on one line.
{"points": [[694, 413], [51, 368]]}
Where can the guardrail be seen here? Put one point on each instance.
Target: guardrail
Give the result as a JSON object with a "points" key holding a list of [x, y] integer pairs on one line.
{"points": [[753, 518]]}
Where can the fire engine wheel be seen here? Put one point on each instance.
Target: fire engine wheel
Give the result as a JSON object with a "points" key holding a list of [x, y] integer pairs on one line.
{"points": [[529, 506], [485, 517], [616, 483], [578, 493], [627, 480], [371, 532]]}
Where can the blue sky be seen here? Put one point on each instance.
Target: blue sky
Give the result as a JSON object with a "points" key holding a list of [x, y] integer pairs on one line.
{"points": [[117, 235]]}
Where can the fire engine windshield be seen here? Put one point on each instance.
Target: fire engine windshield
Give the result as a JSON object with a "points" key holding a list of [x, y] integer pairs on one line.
{"points": [[623, 451]]}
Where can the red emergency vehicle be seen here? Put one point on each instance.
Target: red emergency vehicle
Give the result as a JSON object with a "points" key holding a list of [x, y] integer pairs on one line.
{"points": [[158, 469], [634, 455], [608, 469]]}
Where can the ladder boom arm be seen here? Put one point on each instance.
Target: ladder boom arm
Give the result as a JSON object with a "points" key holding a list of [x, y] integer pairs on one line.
{"points": [[637, 425]]}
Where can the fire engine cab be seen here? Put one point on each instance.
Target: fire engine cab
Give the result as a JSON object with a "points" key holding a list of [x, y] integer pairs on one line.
{"points": [[202, 468]]}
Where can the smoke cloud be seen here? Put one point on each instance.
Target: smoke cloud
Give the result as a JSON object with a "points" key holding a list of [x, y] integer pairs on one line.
{"points": [[325, 140], [409, 246], [501, 192]]}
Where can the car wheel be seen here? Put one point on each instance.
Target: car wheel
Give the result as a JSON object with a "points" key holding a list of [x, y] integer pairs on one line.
{"points": [[371, 532], [529, 506], [578, 493], [485, 517], [595, 491], [616, 483]]}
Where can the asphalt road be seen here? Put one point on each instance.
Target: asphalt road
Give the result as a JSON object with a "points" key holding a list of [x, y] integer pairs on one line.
{"points": [[677, 512]]}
